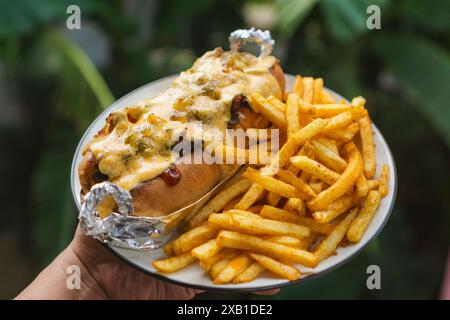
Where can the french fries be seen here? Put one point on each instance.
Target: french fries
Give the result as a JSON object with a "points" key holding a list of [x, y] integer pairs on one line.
{"points": [[319, 186]]}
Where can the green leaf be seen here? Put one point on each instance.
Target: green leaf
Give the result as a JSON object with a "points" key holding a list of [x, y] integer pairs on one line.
{"points": [[290, 14], [431, 15], [423, 72], [53, 212]]}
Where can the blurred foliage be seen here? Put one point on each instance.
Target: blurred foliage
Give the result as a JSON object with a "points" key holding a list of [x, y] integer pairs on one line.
{"points": [[403, 70]]}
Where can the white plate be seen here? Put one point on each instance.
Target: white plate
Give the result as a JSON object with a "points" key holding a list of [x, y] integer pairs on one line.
{"points": [[194, 276]]}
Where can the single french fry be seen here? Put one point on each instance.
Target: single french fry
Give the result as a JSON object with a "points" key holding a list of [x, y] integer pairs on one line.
{"points": [[257, 226], [361, 186], [308, 89], [281, 269], [315, 168], [174, 264], [261, 105], [217, 267], [233, 269], [287, 216], [317, 94], [383, 187], [250, 197], [343, 184], [328, 157], [333, 210], [242, 213], [339, 121], [292, 114], [330, 243], [219, 201], [359, 225], [322, 110], [193, 238], [287, 240], [329, 143], [254, 244], [250, 274], [308, 241], [327, 97], [271, 184], [206, 250], [298, 86], [368, 146], [273, 198], [275, 102], [295, 205], [344, 135], [298, 183]]}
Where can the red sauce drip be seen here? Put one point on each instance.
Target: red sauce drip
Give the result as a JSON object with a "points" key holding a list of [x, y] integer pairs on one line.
{"points": [[171, 176]]}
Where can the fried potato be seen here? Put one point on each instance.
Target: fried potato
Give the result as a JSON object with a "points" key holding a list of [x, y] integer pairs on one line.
{"points": [[308, 89], [330, 243], [206, 250], [344, 135], [334, 209], [254, 244], [287, 240], [233, 269], [206, 264], [368, 146], [315, 168], [281, 269], [359, 225], [242, 213], [328, 157], [298, 86], [174, 264], [372, 184], [167, 249], [298, 183], [261, 105], [295, 205], [250, 197], [219, 201], [317, 93], [271, 184], [250, 274], [283, 215], [257, 226], [383, 187], [193, 238], [343, 184], [292, 115], [339, 121]]}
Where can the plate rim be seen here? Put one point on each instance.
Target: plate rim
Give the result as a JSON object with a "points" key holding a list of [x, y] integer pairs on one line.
{"points": [[162, 277]]}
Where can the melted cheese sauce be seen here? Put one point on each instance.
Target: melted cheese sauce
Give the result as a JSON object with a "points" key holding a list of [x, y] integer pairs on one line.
{"points": [[138, 148]]}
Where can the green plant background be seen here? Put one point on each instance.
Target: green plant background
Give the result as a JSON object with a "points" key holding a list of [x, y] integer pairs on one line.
{"points": [[53, 83]]}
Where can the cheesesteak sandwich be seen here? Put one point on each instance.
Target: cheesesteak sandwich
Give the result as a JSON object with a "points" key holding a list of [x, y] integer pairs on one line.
{"points": [[134, 149]]}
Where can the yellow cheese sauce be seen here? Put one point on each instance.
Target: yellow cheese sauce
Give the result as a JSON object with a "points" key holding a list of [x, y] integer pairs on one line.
{"points": [[138, 148]]}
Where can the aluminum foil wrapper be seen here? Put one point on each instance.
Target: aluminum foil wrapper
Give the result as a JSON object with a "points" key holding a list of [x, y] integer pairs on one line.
{"points": [[241, 37], [120, 229]]}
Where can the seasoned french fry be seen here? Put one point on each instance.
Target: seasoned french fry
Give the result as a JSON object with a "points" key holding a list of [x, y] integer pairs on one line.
{"points": [[174, 264], [322, 110], [271, 184], [329, 143], [368, 146], [344, 135], [315, 168], [262, 106], [316, 185], [298, 183], [206, 250], [343, 184], [292, 114], [317, 94], [250, 274], [298, 86], [339, 121], [383, 187], [333, 210], [250, 197], [217, 267], [361, 186], [359, 225], [167, 249], [308, 241], [328, 157], [219, 201], [242, 213], [330, 243], [277, 103], [273, 198], [233, 269], [258, 226], [308, 89], [283, 215], [327, 97], [281, 269], [295, 205], [254, 244], [193, 238], [287, 240]]}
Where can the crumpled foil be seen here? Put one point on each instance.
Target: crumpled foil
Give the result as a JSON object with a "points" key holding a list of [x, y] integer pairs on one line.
{"points": [[124, 230], [120, 229], [262, 38]]}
